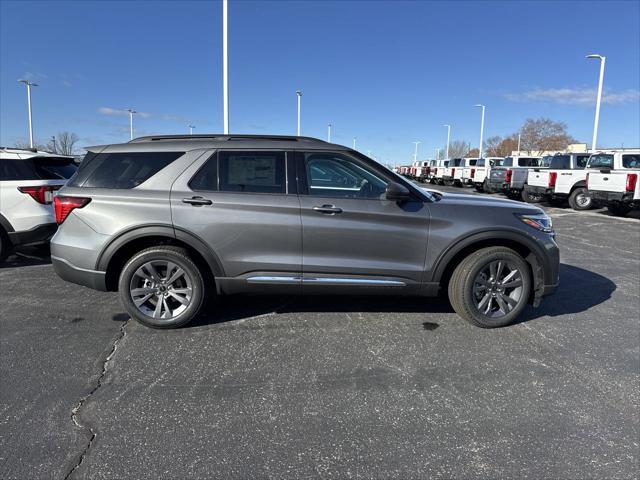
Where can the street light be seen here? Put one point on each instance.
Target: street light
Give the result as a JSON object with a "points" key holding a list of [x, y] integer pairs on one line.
{"points": [[299, 94], [354, 143], [191, 127], [329, 132], [225, 67], [437, 154], [29, 85], [415, 152], [448, 138], [131, 112], [481, 129], [598, 99]]}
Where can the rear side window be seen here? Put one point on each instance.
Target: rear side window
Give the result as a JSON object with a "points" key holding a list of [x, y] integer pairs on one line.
{"points": [[121, 170], [37, 168], [472, 163], [631, 161], [581, 161], [560, 162], [528, 162], [252, 172]]}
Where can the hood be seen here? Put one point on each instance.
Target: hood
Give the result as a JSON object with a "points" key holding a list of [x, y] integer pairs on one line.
{"points": [[485, 201]]}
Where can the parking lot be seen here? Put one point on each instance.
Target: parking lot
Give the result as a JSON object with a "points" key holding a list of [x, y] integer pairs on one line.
{"points": [[329, 387]]}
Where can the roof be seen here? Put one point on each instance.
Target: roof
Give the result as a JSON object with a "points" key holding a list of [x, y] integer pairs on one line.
{"points": [[200, 141], [24, 153]]}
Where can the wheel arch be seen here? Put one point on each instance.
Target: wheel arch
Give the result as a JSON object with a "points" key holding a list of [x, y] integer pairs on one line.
{"points": [[580, 184], [124, 246]]}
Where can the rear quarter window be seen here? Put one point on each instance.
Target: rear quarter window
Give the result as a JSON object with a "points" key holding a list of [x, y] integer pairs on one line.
{"points": [[121, 170]]}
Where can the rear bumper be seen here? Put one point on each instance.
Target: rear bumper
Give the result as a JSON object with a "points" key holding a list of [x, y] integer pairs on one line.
{"points": [[81, 276], [601, 196], [537, 190], [37, 235]]}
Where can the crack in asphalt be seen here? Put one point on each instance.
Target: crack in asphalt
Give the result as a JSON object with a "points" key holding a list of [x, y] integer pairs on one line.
{"points": [[83, 400]]}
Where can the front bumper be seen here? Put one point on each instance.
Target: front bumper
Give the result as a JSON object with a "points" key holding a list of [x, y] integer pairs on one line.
{"points": [[34, 236], [81, 276]]}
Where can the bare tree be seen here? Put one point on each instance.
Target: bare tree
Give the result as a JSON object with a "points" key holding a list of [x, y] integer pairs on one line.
{"points": [[458, 148], [543, 134], [474, 152], [491, 146], [66, 142], [23, 144]]}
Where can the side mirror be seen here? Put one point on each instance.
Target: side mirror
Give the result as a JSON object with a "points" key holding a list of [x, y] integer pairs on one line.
{"points": [[397, 192]]}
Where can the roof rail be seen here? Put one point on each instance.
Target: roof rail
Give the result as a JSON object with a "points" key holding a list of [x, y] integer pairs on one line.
{"points": [[220, 137]]}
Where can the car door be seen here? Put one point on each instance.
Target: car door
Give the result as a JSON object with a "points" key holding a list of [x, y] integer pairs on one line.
{"points": [[244, 206], [352, 236]]}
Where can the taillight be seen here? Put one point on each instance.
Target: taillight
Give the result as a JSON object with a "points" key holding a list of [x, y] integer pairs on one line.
{"points": [[632, 179], [453, 172], [507, 176], [553, 176], [63, 206], [42, 194], [435, 171], [473, 172]]}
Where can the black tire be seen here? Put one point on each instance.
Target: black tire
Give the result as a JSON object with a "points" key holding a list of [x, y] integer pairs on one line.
{"points": [[440, 182], [580, 199], [193, 279], [479, 187], [6, 247], [527, 197], [618, 209], [461, 286], [485, 186]]}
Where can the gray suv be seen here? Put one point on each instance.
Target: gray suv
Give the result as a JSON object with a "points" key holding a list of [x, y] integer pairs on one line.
{"points": [[172, 221]]}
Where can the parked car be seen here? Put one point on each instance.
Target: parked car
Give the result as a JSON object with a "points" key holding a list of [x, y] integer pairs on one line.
{"points": [[170, 221], [563, 179], [421, 171], [612, 180], [468, 171], [441, 169], [481, 173], [28, 181], [455, 166], [509, 175]]}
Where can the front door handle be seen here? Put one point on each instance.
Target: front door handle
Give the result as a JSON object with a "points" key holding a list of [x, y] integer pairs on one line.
{"points": [[329, 209], [197, 201]]}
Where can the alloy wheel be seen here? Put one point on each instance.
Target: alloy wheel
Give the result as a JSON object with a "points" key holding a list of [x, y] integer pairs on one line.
{"points": [[497, 289]]}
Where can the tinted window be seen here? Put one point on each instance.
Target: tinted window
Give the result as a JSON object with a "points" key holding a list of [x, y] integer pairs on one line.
{"points": [[37, 168], [456, 162], [528, 162], [480, 163], [560, 162], [631, 161], [581, 161], [335, 175], [120, 170], [473, 163], [601, 161], [252, 172], [504, 162], [207, 176], [546, 161]]}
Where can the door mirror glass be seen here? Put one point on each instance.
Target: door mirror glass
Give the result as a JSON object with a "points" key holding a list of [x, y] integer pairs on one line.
{"points": [[397, 192]]}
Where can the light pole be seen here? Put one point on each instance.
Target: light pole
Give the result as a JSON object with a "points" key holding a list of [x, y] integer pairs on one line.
{"points": [[481, 129], [437, 154], [415, 151], [598, 99], [329, 132], [131, 112], [519, 144], [191, 127], [299, 94], [354, 143], [225, 67], [29, 85], [448, 138], [53, 140]]}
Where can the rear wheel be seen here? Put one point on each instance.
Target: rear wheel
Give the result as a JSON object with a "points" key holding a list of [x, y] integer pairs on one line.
{"points": [[580, 199], [490, 287], [618, 209], [529, 197], [161, 287], [5, 245]]}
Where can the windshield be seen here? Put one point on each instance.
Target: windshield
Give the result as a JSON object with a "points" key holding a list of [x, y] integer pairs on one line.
{"points": [[546, 161], [480, 163], [529, 162], [37, 168], [600, 160], [504, 162]]}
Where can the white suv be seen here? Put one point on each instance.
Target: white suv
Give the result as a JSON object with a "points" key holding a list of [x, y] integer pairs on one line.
{"points": [[28, 180]]}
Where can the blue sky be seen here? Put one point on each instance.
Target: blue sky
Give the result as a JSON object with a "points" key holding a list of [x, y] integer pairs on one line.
{"points": [[387, 72]]}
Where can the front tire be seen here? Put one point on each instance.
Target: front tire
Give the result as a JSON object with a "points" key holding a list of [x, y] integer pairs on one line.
{"points": [[580, 199], [161, 287], [491, 287]]}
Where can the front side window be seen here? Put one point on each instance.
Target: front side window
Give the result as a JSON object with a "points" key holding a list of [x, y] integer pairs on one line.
{"points": [[336, 175], [631, 161], [601, 160], [252, 172]]}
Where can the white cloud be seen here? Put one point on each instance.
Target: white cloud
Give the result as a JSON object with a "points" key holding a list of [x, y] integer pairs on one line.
{"points": [[574, 96]]}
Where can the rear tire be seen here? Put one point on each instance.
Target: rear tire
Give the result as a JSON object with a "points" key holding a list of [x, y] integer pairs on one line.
{"points": [[491, 287], [161, 287], [527, 197], [618, 210], [580, 199], [5, 245]]}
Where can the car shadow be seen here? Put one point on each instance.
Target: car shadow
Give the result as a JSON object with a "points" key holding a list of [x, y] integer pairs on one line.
{"points": [[570, 298], [27, 257]]}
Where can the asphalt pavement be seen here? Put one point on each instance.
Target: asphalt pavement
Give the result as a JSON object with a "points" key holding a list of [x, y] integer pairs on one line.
{"points": [[328, 387]]}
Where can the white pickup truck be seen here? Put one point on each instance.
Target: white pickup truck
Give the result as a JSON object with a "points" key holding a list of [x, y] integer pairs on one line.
{"points": [[612, 180], [454, 173], [563, 179], [439, 172], [469, 170], [480, 172], [510, 174]]}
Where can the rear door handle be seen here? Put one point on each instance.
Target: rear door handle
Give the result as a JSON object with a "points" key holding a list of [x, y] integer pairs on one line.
{"points": [[197, 201], [329, 209]]}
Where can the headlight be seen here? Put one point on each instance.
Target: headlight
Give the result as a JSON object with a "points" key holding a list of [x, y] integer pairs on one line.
{"points": [[538, 221]]}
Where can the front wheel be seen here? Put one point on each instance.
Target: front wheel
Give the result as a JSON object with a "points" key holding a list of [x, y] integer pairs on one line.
{"points": [[161, 287], [490, 287], [580, 199]]}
